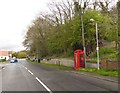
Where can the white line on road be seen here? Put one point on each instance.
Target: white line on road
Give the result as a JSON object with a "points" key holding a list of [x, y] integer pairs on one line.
{"points": [[44, 85], [39, 81], [25, 67], [30, 72]]}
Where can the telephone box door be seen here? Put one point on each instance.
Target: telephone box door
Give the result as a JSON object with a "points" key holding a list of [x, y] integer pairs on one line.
{"points": [[78, 59]]}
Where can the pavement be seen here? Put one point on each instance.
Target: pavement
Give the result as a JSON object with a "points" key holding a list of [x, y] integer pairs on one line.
{"points": [[25, 76]]}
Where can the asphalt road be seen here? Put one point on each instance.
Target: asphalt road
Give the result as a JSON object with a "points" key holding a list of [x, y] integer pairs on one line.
{"points": [[0, 79], [25, 76]]}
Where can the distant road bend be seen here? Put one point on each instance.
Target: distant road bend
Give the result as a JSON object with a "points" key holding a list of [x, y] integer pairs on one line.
{"points": [[25, 76]]}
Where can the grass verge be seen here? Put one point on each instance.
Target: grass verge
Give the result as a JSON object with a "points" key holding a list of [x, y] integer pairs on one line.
{"points": [[58, 66], [52, 65], [31, 61], [2, 60], [102, 72]]}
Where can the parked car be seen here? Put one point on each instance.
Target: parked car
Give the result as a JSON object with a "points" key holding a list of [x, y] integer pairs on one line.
{"points": [[13, 60]]}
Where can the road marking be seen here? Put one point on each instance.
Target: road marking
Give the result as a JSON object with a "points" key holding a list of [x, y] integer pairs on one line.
{"points": [[39, 81], [30, 72], [25, 67], [43, 85]]}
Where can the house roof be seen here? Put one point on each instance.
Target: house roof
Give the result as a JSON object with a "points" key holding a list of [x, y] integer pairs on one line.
{"points": [[4, 53]]}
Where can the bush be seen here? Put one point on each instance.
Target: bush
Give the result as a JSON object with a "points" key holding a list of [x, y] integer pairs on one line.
{"points": [[107, 53], [104, 51], [107, 50], [22, 55], [2, 60]]}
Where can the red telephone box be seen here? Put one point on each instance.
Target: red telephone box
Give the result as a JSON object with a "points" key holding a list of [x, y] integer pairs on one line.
{"points": [[79, 59]]}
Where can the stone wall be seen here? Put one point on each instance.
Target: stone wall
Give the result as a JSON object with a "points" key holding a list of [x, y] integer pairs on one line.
{"points": [[106, 64], [64, 62], [67, 62]]}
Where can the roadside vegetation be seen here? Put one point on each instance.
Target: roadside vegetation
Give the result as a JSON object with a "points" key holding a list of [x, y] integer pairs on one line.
{"points": [[103, 72], [2, 60], [20, 54], [93, 71], [108, 52], [58, 33]]}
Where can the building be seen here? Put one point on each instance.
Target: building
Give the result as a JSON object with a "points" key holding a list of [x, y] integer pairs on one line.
{"points": [[4, 55]]}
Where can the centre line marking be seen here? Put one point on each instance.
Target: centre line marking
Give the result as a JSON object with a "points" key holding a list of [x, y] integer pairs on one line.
{"points": [[39, 81], [25, 67], [43, 85], [30, 72]]}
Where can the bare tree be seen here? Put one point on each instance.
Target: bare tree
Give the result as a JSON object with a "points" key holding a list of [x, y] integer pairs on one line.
{"points": [[61, 12]]}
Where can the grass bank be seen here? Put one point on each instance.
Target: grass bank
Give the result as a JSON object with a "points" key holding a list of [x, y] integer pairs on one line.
{"points": [[103, 72], [58, 66], [104, 53]]}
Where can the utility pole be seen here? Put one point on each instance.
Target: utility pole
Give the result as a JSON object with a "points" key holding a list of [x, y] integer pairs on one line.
{"points": [[83, 39], [82, 21]]}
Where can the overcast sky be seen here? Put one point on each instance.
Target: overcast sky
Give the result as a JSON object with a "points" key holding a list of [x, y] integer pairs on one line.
{"points": [[15, 17]]}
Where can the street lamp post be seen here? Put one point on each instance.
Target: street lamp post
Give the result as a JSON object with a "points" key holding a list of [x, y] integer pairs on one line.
{"points": [[83, 39], [97, 47]]}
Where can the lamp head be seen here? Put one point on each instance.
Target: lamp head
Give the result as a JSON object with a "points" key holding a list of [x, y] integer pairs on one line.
{"points": [[92, 20]]}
